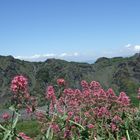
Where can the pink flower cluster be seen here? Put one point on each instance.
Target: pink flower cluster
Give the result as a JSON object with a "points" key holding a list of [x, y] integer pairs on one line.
{"points": [[102, 112], [89, 112], [50, 93], [117, 119], [90, 126], [114, 127], [115, 123], [6, 116], [19, 83], [123, 99], [91, 95], [21, 96], [55, 128], [86, 107], [61, 82], [24, 136], [71, 111]]}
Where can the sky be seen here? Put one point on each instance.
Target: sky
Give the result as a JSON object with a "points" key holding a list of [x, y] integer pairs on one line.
{"points": [[77, 30]]}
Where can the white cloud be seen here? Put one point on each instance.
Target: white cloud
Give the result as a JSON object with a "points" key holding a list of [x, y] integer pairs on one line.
{"points": [[63, 55], [75, 54], [49, 55], [124, 51], [36, 56], [134, 48], [128, 45], [42, 57], [137, 48]]}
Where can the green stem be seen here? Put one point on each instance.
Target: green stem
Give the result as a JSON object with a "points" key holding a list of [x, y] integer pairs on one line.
{"points": [[6, 135], [13, 115], [127, 133], [117, 137], [3, 128], [77, 124], [14, 123]]}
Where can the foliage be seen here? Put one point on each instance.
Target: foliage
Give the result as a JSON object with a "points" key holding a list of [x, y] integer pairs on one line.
{"points": [[30, 127]]}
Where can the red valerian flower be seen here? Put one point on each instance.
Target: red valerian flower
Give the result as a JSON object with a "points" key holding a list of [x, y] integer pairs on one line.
{"points": [[61, 82], [6, 116], [40, 115], [95, 86], [19, 83], [90, 126], [114, 127], [87, 114], [123, 99], [68, 91], [67, 133], [76, 119], [111, 94], [29, 109], [24, 136], [117, 119], [102, 112], [55, 128], [84, 84], [50, 93], [123, 138], [70, 113]]}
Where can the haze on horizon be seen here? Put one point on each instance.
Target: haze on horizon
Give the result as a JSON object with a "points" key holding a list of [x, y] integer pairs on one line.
{"points": [[77, 30]]}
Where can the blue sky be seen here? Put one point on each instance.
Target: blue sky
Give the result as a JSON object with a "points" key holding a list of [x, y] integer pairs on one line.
{"points": [[77, 30]]}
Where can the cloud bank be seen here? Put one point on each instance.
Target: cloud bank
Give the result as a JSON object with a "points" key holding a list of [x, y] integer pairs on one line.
{"points": [[134, 48], [42, 57], [124, 51]]}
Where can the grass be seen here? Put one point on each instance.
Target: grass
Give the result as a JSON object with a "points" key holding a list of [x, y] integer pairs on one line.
{"points": [[30, 128]]}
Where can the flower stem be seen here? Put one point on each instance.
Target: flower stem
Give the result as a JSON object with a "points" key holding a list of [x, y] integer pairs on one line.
{"points": [[77, 124], [127, 133]]}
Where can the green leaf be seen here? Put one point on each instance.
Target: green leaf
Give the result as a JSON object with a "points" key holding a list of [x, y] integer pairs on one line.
{"points": [[15, 121], [48, 133], [12, 108], [77, 124], [6, 135]]}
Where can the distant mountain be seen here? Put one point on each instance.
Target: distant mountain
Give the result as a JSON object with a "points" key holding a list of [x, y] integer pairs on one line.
{"points": [[122, 74]]}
